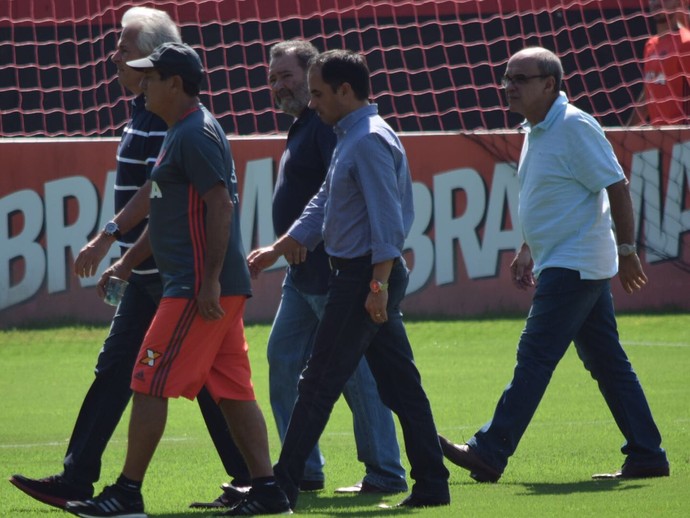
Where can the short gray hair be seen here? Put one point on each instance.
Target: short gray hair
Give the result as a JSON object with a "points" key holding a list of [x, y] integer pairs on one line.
{"points": [[155, 27]]}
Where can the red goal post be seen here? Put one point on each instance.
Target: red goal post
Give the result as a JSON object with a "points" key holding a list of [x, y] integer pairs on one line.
{"points": [[436, 65]]}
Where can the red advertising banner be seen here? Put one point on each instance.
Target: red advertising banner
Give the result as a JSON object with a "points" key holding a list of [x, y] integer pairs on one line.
{"points": [[56, 193]]}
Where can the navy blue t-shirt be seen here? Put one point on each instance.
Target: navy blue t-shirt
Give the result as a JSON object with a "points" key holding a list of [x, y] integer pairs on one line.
{"points": [[302, 170], [195, 157], [136, 155]]}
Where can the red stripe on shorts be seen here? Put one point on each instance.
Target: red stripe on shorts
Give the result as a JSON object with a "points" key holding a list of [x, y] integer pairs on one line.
{"points": [[172, 350]]}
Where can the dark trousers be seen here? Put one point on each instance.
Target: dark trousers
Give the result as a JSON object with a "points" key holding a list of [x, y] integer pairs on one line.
{"points": [[346, 333], [109, 393], [568, 309]]}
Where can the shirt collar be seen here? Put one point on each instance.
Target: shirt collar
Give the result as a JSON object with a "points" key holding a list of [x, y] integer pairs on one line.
{"points": [[352, 118], [552, 115]]}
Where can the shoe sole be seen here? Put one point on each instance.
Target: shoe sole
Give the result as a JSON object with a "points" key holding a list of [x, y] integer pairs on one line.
{"points": [[349, 489], [207, 505], [399, 506], [128, 515], [52, 501], [622, 476], [352, 490], [229, 513]]}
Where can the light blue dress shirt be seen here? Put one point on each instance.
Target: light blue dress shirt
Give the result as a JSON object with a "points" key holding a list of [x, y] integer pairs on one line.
{"points": [[365, 203]]}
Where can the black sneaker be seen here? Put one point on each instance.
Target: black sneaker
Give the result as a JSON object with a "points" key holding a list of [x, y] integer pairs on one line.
{"points": [[53, 490], [113, 501], [261, 500], [232, 495]]}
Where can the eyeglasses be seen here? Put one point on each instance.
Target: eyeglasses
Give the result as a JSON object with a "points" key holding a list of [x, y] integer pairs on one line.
{"points": [[519, 79]]}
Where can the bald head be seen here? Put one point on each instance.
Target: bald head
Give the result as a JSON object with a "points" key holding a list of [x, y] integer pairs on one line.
{"points": [[532, 82], [548, 64]]}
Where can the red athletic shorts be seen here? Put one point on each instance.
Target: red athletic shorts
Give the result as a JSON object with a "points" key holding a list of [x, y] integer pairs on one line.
{"points": [[182, 352]]}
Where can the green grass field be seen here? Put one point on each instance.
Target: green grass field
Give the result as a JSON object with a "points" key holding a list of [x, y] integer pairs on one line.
{"points": [[465, 366]]}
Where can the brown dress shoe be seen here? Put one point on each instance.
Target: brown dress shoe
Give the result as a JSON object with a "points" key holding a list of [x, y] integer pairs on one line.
{"points": [[629, 471], [463, 456]]}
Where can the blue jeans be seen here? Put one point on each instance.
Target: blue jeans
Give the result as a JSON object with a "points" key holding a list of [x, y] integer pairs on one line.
{"points": [[345, 334], [289, 347], [109, 393], [567, 309]]}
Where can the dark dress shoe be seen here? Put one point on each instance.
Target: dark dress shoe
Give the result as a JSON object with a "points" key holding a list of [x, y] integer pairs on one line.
{"points": [[53, 490], [630, 471], [418, 501], [463, 456], [310, 486], [232, 495]]}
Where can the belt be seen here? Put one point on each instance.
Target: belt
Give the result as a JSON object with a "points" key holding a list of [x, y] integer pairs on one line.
{"points": [[340, 263]]}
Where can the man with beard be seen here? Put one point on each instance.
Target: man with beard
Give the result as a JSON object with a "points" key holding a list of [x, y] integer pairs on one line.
{"points": [[302, 170], [362, 214]]}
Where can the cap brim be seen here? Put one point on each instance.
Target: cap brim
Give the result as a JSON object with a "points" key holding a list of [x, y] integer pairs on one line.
{"points": [[142, 63]]}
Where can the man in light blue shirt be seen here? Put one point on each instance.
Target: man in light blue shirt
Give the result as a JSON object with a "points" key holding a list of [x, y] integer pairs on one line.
{"points": [[572, 189], [362, 213], [563, 198], [302, 170]]}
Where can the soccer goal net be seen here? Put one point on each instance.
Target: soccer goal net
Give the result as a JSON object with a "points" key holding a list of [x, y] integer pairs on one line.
{"points": [[436, 64]]}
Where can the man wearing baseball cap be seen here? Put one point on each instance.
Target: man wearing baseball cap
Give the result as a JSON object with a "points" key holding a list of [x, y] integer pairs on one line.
{"points": [[173, 58], [197, 335]]}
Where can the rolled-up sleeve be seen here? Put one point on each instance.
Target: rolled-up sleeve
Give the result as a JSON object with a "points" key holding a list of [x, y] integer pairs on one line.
{"points": [[378, 164]]}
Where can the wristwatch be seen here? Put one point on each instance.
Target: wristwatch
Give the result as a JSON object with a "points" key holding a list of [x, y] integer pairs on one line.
{"points": [[377, 286], [626, 249], [112, 230]]}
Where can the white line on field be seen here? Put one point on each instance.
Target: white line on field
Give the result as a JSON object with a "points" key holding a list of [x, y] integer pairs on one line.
{"points": [[458, 428], [63, 443]]}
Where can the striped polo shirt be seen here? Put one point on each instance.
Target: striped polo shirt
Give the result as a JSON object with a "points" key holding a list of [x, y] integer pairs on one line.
{"points": [[136, 155]]}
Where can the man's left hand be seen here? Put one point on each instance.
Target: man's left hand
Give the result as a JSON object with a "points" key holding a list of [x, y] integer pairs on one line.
{"points": [[118, 269], [630, 273], [376, 306]]}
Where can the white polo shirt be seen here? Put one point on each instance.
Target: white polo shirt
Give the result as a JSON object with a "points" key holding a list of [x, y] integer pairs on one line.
{"points": [[565, 165]]}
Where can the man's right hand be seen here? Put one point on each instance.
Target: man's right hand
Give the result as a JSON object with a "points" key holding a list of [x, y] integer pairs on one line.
{"points": [[91, 255], [263, 258], [260, 259]]}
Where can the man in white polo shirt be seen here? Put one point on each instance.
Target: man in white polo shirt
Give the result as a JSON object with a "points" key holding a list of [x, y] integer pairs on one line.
{"points": [[572, 189]]}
